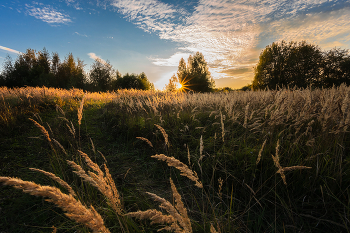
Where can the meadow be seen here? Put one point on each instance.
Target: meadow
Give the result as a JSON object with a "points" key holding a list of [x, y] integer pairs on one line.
{"points": [[143, 161]]}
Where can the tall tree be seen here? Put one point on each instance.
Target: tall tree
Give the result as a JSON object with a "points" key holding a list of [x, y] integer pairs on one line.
{"points": [[196, 76], [292, 64], [336, 67], [70, 74], [101, 75], [172, 85]]}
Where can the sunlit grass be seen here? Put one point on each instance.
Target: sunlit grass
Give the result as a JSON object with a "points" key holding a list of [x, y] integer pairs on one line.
{"points": [[223, 140]]}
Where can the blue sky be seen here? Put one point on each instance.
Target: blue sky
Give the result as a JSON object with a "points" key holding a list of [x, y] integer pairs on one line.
{"points": [[152, 35]]}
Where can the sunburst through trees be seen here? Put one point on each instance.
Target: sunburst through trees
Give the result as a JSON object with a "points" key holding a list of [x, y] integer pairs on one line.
{"points": [[193, 76]]}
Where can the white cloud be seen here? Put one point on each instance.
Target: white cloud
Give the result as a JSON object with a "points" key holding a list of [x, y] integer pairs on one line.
{"points": [[10, 50], [150, 15], [172, 61], [229, 33], [47, 14], [320, 28], [97, 58], [74, 4]]}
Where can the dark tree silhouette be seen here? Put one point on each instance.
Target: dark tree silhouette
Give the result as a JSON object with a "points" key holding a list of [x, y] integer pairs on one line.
{"points": [[71, 74], [300, 65], [38, 69], [101, 75], [133, 81], [195, 76]]}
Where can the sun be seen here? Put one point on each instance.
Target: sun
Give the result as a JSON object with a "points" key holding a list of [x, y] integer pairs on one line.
{"points": [[178, 86]]}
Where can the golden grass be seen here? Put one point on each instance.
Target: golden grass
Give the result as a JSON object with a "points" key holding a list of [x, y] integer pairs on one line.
{"points": [[165, 135], [73, 208], [177, 215], [42, 129], [57, 179], [102, 181], [297, 112], [281, 169], [80, 111], [145, 140], [185, 170]]}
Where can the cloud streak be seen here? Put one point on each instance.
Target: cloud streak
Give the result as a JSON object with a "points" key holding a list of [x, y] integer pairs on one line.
{"points": [[10, 50], [47, 14], [77, 33], [97, 58]]}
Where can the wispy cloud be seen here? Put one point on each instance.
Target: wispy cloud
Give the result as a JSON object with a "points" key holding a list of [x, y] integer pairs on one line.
{"points": [[172, 61], [231, 34], [97, 58], [320, 28], [47, 14], [73, 3], [77, 33], [150, 15], [10, 50]]}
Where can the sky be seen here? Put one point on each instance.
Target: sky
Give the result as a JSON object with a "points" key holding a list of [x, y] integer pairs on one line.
{"points": [[151, 36]]}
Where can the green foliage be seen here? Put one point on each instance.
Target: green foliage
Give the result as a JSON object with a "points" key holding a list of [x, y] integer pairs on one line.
{"points": [[101, 75], [195, 76], [70, 73], [40, 69], [172, 85], [133, 81], [300, 65]]}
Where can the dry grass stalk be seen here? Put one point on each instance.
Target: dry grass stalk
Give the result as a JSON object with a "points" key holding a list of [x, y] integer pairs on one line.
{"points": [[112, 193], [221, 181], [103, 182], [90, 163], [188, 156], [165, 135], [102, 156], [59, 109], [57, 179], [292, 168], [71, 129], [201, 147], [60, 146], [146, 140], [93, 146], [73, 208], [281, 169], [42, 129], [49, 128], [222, 128], [246, 116], [181, 207], [81, 173], [80, 111], [185, 171], [155, 216], [212, 229], [178, 218], [260, 152]]}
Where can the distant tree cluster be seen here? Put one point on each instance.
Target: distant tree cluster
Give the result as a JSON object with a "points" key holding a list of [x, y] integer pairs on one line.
{"points": [[301, 65], [193, 76], [40, 69]]}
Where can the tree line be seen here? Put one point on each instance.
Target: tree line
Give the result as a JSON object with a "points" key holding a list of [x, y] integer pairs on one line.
{"points": [[301, 65], [42, 69]]}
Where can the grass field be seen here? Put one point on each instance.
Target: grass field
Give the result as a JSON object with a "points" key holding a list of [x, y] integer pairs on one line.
{"points": [[141, 161]]}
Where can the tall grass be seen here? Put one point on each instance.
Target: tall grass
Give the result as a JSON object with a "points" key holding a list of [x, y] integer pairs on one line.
{"points": [[264, 161]]}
